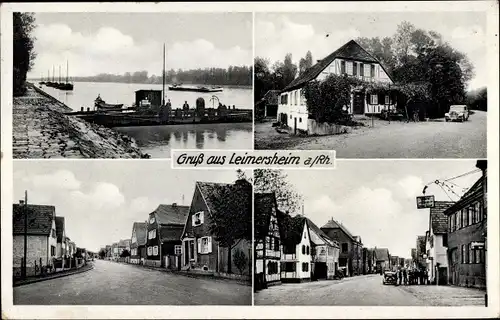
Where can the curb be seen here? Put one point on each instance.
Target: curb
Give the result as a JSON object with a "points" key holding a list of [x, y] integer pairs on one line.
{"points": [[191, 275], [54, 277]]}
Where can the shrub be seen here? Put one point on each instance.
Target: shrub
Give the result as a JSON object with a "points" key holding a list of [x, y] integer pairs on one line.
{"points": [[240, 260]]}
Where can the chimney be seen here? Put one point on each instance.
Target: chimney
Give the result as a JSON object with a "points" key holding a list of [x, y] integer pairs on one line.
{"points": [[21, 201]]}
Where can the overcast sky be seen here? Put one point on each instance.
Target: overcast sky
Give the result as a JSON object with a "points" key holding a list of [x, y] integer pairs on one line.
{"points": [[279, 34], [377, 199], [126, 42], [100, 200]]}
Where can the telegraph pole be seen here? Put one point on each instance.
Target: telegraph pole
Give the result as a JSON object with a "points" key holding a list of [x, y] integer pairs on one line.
{"points": [[25, 234]]}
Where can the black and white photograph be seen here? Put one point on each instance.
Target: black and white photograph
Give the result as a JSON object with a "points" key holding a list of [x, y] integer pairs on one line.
{"points": [[372, 85], [130, 85], [94, 233], [372, 233]]}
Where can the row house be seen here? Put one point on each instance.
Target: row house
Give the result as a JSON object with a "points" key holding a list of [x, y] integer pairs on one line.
{"points": [[467, 234], [351, 60], [200, 249], [41, 236], [62, 245], [325, 253], [382, 260], [164, 230], [138, 243], [296, 260], [351, 247], [436, 243], [267, 240], [369, 261]]}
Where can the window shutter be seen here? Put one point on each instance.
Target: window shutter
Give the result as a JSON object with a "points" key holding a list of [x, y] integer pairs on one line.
{"points": [[209, 245], [193, 219], [361, 69], [199, 245], [202, 217]]}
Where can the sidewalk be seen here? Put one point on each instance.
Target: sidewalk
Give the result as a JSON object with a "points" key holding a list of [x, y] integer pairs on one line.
{"points": [[447, 295], [56, 275], [193, 275]]}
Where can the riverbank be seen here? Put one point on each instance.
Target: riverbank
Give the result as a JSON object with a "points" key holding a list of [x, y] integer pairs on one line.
{"points": [[41, 130]]}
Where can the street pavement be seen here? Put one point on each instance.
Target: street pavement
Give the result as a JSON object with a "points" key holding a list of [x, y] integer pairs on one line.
{"points": [[111, 283], [432, 139], [366, 290]]}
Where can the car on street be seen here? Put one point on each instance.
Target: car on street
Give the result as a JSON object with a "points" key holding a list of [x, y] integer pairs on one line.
{"points": [[457, 113], [390, 277]]}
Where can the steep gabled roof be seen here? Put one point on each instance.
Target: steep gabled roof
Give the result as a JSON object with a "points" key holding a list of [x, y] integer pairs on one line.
{"points": [[171, 214], [59, 228], [438, 220], [263, 207], [141, 230], [351, 50], [39, 219], [332, 224], [171, 233], [321, 234]]}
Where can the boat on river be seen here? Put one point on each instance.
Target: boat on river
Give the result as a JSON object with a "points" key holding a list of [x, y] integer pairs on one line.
{"points": [[100, 104], [180, 87]]}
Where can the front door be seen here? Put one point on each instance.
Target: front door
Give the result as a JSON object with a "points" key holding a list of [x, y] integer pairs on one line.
{"points": [[358, 103]]}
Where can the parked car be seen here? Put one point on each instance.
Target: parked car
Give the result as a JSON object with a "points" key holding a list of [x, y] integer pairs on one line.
{"points": [[457, 113], [390, 277]]}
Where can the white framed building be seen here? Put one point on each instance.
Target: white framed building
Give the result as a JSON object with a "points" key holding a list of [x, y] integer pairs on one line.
{"points": [[296, 257]]}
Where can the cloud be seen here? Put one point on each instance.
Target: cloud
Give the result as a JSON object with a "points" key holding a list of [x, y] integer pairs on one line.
{"points": [[61, 179], [411, 186], [274, 39], [108, 50]]}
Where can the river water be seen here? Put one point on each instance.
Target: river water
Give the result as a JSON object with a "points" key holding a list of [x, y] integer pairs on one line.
{"points": [[159, 140]]}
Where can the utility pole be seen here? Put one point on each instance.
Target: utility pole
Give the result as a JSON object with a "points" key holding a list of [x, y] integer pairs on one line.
{"points": [[163, 78], [25, 234]]}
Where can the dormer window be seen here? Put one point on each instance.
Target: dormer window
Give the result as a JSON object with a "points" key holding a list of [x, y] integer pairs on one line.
{"points": [[198, 218], [151, 220]]}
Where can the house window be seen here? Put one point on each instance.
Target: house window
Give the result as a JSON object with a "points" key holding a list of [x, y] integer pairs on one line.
{"points": [[272, 267], [342, 67], [478, 255], [300, 119], [290, 116], [355, 69], [387, 99], [155, 250], [372, 71], [276, 244], [305, 266], [151, 220], [373, 99], [150, 251], [152, 234], [344, 247], [53, 233], [205, 245], [198, 218], [307, 250], [445, 240], [303, 249], [455, 215], [471, 254], [463, 253], [349, 68], [178, 250], [361, 69], [52, 251]]}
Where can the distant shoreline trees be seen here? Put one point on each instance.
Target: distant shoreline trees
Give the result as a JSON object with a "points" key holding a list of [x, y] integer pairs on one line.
{"points": [[232, 76], [23, 53]]}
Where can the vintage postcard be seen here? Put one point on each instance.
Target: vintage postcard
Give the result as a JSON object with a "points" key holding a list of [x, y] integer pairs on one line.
{"points": [[237, 160]]}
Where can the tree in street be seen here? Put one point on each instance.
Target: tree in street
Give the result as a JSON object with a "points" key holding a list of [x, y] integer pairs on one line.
{"points": [[23, 49], [270, 180], [232, 203], [305, 63], [102, 254], [125, 253]]}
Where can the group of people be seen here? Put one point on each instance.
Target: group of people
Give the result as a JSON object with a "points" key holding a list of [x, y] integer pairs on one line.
{"points": [[412, 276]]}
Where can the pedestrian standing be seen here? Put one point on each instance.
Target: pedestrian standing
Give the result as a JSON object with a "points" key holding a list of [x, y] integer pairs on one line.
{"points": [[400, 276], [405, 277]]}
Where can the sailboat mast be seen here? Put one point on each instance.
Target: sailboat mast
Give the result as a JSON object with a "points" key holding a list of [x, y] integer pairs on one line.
{"points": [[163, 77], [53, 73], [67, 70], [59, 74]]}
